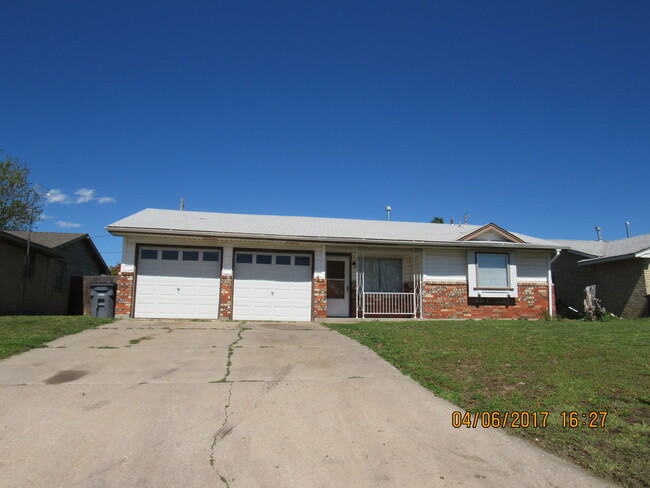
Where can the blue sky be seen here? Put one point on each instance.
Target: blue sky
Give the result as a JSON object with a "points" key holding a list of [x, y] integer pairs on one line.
{"points": [[532, 115]]}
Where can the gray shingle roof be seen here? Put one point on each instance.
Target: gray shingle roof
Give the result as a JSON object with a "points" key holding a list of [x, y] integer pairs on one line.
{"points": [[48, 239], [609, 249], [306, 228]]}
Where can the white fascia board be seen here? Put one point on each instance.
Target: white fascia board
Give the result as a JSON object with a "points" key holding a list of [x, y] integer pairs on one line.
{"points": [[121, 231], [606, 259], [643, 254]]}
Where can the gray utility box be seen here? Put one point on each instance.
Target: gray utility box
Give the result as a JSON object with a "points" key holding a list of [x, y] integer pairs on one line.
{"points": [[102, 300]]}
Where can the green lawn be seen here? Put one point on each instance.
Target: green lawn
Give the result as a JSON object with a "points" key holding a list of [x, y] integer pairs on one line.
{"points": [[558, 366], [22, 333]]}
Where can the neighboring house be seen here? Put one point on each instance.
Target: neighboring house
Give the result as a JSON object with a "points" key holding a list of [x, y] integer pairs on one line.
{"points": [[179, 264], [619, 269], [52, 282]]}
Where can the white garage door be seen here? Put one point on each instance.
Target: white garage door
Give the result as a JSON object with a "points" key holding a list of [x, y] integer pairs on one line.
{"points": [[272, 286], [178, 283]]}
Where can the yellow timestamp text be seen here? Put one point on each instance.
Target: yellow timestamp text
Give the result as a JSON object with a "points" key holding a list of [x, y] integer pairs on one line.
{"points": [[525, 419]]}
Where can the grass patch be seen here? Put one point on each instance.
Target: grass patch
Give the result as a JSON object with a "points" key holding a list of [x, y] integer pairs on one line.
{"points": [[537, 366], [22, 333]]}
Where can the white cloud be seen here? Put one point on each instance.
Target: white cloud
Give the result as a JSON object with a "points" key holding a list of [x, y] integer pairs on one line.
{"points": [[67, 225], [44, 217], [85, 195], [57, 196]]}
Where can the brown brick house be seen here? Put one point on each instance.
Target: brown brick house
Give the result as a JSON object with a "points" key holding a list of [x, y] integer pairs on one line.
{"points": [[620, 270], [179, 264], [50, 282]]}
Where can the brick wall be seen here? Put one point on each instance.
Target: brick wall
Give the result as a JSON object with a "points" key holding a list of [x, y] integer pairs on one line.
{"points": [[124, 298], [225, 304], [450, 300], [319, 287], [621, 286]]}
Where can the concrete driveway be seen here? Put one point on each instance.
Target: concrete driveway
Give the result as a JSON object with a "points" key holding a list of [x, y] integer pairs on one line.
{"points": [[209, 404]]}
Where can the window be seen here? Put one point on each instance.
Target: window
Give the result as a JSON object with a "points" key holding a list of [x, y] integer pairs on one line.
{"points": [[170, 255], [492, 274], [59, 276], [382, 275], [264, 259], [283, 260], [190, 255], [149, 254], [301, 260], [210, 256], [244, 258], [492, 270]]}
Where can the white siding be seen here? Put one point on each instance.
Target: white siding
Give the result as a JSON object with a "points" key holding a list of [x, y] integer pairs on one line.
{"points": [[445, 265], [532, 267]]}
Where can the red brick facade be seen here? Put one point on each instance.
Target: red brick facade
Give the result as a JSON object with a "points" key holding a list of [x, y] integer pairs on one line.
{"points": [[225, 305], [451, 301], [319, 287], [124, 298]]}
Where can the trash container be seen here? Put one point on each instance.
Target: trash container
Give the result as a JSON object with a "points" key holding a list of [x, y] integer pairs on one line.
{"points": [[102, 300]]}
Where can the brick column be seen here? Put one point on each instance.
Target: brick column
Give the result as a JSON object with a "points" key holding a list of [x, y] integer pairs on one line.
{"points": [[320, 298], [225, 304], [124, 296]]}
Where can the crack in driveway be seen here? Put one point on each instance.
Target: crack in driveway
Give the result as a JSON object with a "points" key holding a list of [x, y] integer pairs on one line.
{"points": [[224, 430]]}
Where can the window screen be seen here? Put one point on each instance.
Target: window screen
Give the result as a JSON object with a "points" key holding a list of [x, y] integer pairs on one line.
{"points": [[383, 274], [492, 270]]}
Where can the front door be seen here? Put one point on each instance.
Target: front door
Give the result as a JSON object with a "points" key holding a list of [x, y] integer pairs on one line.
{"points": [[338, 286]]}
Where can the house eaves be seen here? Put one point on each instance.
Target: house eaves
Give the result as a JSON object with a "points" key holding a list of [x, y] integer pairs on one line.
{"points": [[127, 231], [606, 259]]}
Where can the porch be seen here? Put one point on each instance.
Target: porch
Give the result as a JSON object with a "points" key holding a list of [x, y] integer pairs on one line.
{"points": [[383, 283]]}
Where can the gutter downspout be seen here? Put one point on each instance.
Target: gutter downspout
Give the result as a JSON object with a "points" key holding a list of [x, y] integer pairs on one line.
{"points": [[550, 281]]}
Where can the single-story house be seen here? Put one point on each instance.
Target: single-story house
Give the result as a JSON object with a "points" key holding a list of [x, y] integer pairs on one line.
{"points": [[620, 270], [49, 281], [180, 264]]}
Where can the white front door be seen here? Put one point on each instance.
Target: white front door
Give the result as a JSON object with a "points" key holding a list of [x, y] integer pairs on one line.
{"points": [[272, 286], [338, 286], [177, 283]]}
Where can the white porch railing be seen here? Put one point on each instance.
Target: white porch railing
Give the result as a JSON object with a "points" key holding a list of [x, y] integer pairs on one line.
{"points": [[389, 303], [379, 303]]}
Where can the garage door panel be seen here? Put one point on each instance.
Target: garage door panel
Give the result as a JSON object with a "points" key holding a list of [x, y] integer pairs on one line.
{"points": [[177, 288], [272, 291]]}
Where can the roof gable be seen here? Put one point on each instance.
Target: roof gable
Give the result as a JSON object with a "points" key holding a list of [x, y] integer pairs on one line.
{"points": [[491, 232]]}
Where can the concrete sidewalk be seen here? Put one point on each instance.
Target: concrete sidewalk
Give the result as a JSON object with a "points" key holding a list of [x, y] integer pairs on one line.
{"points": [[194, 404]]}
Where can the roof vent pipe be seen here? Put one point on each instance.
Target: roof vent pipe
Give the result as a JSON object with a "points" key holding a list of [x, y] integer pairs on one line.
{"points": [[600, 237], [627, 228], [388, 209]]}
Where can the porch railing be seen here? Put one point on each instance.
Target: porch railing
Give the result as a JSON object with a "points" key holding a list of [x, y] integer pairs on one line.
{"points": [[382, 303], [389, 303]]}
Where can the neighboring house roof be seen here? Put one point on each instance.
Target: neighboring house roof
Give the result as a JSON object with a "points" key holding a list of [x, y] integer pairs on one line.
{"points": [[55, 242], [49, 239], [601, 251], [10, 236], [176, 222]]}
